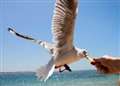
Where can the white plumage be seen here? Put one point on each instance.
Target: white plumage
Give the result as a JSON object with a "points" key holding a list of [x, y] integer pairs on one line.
{"points": [[62, 49]]}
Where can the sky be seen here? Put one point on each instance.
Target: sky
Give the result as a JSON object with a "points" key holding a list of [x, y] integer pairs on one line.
{"points": [[97, 29]]}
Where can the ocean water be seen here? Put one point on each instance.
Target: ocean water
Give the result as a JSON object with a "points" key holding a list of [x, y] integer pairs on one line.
{"points": [[75, 78]]}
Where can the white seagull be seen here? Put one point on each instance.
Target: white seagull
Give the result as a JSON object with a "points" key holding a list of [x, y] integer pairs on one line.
{"points": [[62, 50]]}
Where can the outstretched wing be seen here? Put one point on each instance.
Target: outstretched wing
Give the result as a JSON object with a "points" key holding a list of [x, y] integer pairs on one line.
{"points": [[44, 44], [63, 22]]}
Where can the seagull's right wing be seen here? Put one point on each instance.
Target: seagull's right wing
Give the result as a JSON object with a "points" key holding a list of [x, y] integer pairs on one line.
{"points": [[12, 31], [44, 44], [63, 22]]}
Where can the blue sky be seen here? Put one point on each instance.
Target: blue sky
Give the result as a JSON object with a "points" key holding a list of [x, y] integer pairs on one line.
{"points": [[97, 29]]}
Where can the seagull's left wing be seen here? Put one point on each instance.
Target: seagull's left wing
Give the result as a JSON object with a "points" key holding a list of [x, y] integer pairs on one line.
{"points": [[63, 22]]}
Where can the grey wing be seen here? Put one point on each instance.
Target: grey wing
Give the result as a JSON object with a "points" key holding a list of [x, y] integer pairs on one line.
{"points": [[63, 22], [44, 44]]}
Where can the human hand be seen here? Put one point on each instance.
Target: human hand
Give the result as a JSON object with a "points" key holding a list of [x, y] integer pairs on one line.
{"points": [[107, 64]]}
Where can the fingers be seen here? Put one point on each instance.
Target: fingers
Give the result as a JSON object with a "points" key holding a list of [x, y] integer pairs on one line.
{"points": [[101, 68], [95, 61], [100, 65], [107, 64]]}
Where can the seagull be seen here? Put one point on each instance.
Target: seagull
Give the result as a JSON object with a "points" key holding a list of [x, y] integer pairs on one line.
{"points": [[62, 50]]}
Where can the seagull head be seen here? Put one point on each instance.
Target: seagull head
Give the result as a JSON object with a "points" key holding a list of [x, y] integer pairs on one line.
{"points": [[81, 52]]}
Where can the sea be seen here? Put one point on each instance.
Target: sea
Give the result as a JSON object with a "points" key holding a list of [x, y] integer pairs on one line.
{"points": [[74, 78]]}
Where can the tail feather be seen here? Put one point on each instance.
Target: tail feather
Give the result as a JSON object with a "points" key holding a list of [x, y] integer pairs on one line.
{"points": [[44, 72]]}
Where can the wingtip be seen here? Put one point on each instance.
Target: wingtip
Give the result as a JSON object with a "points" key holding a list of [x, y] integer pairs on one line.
{"points": [[10, 29]]}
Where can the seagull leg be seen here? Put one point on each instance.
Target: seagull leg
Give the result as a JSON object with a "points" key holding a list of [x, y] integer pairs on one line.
{"points": [[61, 70], [59, 67], [67, 68]]}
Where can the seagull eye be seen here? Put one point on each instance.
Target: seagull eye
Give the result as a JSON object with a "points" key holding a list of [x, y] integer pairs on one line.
{"points": [[84, 52]]}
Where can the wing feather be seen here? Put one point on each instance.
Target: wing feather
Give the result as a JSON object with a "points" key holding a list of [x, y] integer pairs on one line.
{"points": [[63, 22]]}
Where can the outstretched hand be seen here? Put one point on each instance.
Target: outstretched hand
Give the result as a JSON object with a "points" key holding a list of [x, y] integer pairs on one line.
{"points": [[107, 64]]}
